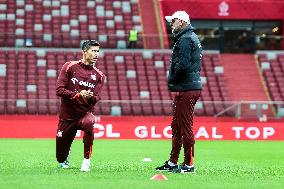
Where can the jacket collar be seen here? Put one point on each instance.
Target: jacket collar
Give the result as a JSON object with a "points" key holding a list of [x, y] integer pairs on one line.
{"points": [[179, 34]]}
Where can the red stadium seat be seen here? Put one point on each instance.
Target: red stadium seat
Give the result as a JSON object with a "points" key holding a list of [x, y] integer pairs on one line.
{"points": [[118, 87]]}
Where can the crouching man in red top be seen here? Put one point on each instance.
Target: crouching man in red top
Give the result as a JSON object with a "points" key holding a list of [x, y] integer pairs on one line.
{"points": [[79, 85]]}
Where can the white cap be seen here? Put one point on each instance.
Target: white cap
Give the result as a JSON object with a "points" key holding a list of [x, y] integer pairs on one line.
{"points": [[182, 15]]}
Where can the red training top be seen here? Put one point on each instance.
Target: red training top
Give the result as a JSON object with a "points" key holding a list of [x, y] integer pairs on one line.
{"points": [[74, 77]]}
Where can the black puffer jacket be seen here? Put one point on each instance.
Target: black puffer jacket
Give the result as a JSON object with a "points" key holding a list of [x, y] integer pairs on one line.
{"points": [[186, 59]]}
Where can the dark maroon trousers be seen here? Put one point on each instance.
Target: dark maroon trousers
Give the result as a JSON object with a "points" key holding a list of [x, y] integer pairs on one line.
{"points": [[66, 133], [182, 126]]}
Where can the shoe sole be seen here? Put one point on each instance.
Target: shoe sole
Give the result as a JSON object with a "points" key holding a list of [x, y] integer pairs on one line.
{"points": [[84, 170], [164, 171], [193, 172], [183, 172], [64, 166], [186, 172]]}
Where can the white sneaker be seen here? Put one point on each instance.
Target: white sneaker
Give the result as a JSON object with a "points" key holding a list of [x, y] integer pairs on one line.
{"points": [[66, 164], [86, 164]]}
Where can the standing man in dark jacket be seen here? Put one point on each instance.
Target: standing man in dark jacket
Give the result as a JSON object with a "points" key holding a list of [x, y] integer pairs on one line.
{"points": [[184, 81], [79, 85]]}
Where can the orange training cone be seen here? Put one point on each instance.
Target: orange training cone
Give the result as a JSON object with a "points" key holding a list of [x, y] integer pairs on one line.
{"points": [[159, 176]]}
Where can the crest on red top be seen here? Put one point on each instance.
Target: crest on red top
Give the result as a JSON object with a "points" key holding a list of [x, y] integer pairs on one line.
{"points": [[94, 77]]}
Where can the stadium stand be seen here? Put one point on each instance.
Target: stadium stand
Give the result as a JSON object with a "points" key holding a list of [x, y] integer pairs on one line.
{"points": [[66, 23], [46, 33], [272, 70], [29, 79]]}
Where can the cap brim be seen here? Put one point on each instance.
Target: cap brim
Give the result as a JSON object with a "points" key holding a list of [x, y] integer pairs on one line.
{"points": [[169, 18]]}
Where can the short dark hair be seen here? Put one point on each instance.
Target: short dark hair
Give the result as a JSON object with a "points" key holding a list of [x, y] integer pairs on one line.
{"points": [[89, 43]]}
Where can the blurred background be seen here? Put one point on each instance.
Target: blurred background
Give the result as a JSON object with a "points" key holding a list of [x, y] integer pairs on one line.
{"points": [[243, 58]]}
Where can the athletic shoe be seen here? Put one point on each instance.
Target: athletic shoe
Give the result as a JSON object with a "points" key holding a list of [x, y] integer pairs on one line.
{"points": [[86, 164], [64, 165], [185, 169], [166, 167]]}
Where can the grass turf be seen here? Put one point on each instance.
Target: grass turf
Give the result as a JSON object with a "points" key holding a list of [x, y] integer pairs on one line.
{"points": [[31, 163]]}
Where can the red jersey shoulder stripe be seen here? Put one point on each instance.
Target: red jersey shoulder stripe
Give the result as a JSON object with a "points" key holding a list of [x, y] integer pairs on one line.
{"points": [[99, 72], [71, 63]]}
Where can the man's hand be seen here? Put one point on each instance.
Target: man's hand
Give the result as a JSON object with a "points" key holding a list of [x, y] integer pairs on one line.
{"points": [[86, 94], [76, 96]]}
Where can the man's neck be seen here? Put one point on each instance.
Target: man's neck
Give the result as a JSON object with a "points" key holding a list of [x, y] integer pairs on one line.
{"points": [[85, 62]]}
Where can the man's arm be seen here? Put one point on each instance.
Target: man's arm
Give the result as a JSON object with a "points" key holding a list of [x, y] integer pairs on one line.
{"points": [[184, 58], [96, 92], [62, 83]]}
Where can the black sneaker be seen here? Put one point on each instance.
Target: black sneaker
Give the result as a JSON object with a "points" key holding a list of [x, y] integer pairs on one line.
{"points": [[166, 167], [184, 169]]}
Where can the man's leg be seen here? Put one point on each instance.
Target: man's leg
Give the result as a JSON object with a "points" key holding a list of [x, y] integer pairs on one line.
{"points": [[87, 125], [176, 132], [171, 164], [66, 133], [185, 119], [130, 45]]}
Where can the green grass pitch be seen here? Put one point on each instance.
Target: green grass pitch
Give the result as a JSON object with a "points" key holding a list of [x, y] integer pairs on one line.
{"points": [[31, 163]]}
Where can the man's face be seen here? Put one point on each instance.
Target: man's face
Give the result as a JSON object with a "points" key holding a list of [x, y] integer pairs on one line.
{"points": [[91, 55], [176, 25]]}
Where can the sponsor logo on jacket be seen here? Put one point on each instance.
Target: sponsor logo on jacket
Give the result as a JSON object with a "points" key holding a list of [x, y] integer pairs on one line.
{"points": [[82, 83]]}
